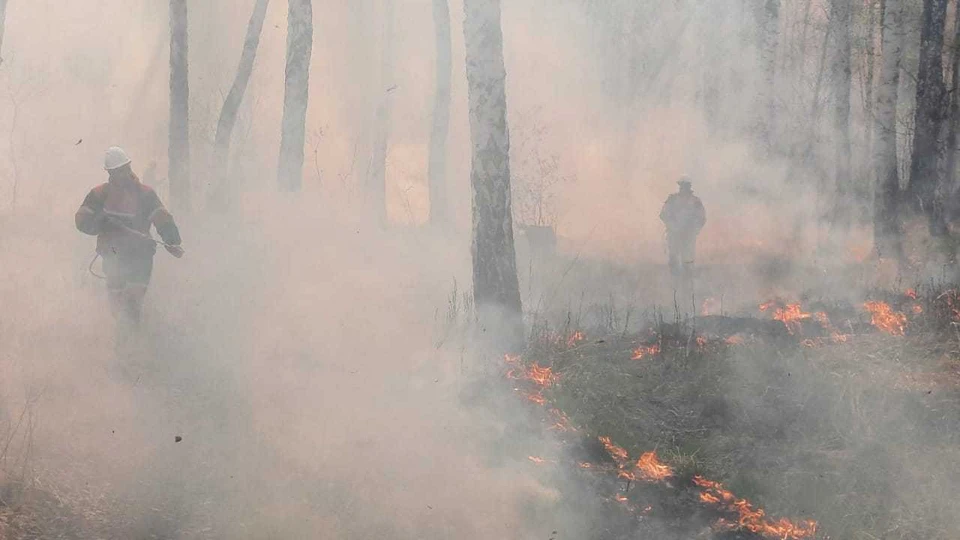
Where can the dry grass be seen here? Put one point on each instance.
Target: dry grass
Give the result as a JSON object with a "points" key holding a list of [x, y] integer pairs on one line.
{"points": [[861, 436]]}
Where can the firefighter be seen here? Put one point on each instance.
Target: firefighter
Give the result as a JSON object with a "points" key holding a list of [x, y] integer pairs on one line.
{"points": [[120, 213], [683, 215]]}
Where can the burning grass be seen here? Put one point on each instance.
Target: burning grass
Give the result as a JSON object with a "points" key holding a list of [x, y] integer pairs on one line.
{"points": [[800, 433]]}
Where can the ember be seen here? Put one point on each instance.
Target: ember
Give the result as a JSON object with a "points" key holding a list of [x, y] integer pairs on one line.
{"points": [[886, 319]]}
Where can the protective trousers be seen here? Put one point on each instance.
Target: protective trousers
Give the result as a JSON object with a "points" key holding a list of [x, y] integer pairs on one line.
{"points": [[128, 276], [681, 248]]}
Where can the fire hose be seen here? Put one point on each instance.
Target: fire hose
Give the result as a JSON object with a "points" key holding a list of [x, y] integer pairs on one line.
{"points": [[134, 232]]}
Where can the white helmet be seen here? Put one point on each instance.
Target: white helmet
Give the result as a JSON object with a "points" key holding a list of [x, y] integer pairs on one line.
{"points": [[115, 158]]}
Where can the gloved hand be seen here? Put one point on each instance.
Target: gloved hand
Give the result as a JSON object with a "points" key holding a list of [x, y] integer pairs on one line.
{"points": [[176, 251]]}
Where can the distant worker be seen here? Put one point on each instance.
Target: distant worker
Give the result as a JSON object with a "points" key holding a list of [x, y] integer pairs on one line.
{"points": [[119, 213], [684, 216]]}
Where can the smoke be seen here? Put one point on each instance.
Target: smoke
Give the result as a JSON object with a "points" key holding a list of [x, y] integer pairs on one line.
{"points": [[294, 350]]}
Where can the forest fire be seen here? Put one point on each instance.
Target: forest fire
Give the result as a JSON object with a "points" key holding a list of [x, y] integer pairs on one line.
{"points": [[541, 377], [618, 453], [576, 338], [650, 468], [645, 351], [791, 315], [653, 469], [885, 319], [748, 517]]}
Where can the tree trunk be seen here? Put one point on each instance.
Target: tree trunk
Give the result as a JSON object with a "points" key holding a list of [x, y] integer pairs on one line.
{"points": [[954, 120], [840, 77], [3, 25], [925, 177], [179, 145], [886, 215], [437, 171], [495, 286], [231, 105], [296, 94], [769, 32], [871, 59], [377, 170]]}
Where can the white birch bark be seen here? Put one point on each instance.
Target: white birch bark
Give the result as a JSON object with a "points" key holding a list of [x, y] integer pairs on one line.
{"points": [[178, 151], [437, 167]]}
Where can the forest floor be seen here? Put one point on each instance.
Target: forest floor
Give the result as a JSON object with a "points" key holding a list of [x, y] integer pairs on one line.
{"points": [[841, 414]]}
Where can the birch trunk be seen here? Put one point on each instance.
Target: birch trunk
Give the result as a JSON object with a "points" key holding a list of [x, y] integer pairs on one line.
{"points": [[841, 77], [768, 42], [953, 119], [178, 151], [495, 285], [296, 94], [231, 105], [925, 177], [377, 170], [3, 25], [886, 216], [437, 169]]}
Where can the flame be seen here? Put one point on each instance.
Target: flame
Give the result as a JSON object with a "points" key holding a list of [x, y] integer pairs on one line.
{"points": [[791, 316], [618, 453], [643, 351], [917, 309], [750, 518], [708, 498], [653, 469], [701, 343], [562, 421], [886, 319], [911, 294], [575, 338]]}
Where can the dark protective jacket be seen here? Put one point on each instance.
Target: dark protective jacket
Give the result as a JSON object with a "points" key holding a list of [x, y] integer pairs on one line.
{"points": [[133, 204], [683, 214]]}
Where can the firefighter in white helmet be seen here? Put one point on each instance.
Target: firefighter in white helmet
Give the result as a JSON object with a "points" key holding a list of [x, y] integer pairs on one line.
{"points": [[120, 214]]}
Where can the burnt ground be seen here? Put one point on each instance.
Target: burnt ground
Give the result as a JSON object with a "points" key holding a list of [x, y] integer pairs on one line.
{"points": [[860, 435]]}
